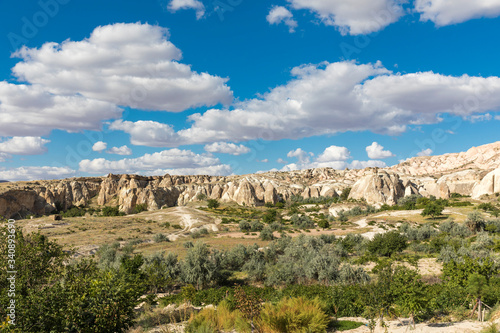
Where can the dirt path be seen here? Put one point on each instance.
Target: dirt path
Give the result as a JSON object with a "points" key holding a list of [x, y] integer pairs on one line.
{"points": [[188, 222], [400, 326], [370, 234]]}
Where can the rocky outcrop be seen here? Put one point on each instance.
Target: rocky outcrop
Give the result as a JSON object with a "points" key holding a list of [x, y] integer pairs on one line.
{"points": [[484, 157], [489, 185], [378, 188], [475, 172]]}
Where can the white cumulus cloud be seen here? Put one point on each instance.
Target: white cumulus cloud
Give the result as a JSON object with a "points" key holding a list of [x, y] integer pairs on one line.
{"points": [[123, 150], [332, 157], [99, 146], [132, 65], [227, 148], [331, 98], [33, 111], [176, 5], [167, 161], [376, 151], [279, 14], [425, 152], [148, 133], [354, 17], [334, 153], [36, 173], [300, 154], [446, 12], [24, 145]]}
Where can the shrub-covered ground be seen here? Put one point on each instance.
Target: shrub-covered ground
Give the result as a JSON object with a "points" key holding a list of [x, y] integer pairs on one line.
{"points": [[290, 258]]}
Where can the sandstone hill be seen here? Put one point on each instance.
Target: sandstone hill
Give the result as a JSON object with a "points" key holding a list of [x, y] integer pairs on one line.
{"points": [[475, 173]]}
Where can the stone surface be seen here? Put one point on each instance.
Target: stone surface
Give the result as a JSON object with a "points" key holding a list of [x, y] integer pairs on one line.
{"points": [[490, 184], [378, 188], [475, 172]]}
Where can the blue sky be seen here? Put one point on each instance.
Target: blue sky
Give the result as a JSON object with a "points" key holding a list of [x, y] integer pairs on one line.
{"points": [[237, 86]]}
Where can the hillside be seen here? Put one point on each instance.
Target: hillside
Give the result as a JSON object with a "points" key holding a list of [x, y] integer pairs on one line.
{"points": [[472, 173]]}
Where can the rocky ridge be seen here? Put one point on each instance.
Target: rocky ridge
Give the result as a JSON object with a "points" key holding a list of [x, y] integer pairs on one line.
{"points": [[475, 172]]}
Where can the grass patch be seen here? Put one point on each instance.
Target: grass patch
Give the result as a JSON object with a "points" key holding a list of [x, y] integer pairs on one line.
{"points": [[346, 325]]}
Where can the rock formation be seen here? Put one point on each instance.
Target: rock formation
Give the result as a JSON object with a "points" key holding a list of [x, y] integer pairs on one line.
{"points": [[475, 172]]}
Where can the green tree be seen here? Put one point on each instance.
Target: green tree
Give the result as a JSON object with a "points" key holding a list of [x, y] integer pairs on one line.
{"points": [[202, 267], [323, 224], [432, 209], [160, 271], [270, 216], [266, 234], [345, 193], [477, 285], [458, 271], [410, 292], [55, 296], [213, 203], [475, 221], [387, 244]]}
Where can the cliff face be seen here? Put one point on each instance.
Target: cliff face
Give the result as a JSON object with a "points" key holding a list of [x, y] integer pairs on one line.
{"points": [[474, 173]]}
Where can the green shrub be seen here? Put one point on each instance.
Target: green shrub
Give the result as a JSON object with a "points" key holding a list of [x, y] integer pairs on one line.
{"points": [[213, 203], [217, 320], [294, 315], [74, 212], [111, 211], [159, 238], [199, 233], [432, 209], [245, 226], [475, 221], [270, 216], [323, 224], [345, 194], [256, 226], [266, 234], [387, 244], [140, 208], [302, 221]]}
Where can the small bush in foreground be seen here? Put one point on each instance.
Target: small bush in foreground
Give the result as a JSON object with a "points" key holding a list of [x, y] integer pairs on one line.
{"points": [[215, 320], [294, 315]]}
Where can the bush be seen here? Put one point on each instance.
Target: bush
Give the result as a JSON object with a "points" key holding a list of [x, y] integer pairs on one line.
{"points": [[486, 206], [302, 221], [201, 196], [213, 203], [475, 222], [159, 238], [202, 267], [409, 202], [256, 226], [49, 283], [294, 315], [432, 209], [112, 211], [245, 226], [199, 233], [323, 224], [74, 212], [387, 244], [222, 319], [345, 194], [140, 208], [266, 234], [270, 216]]}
